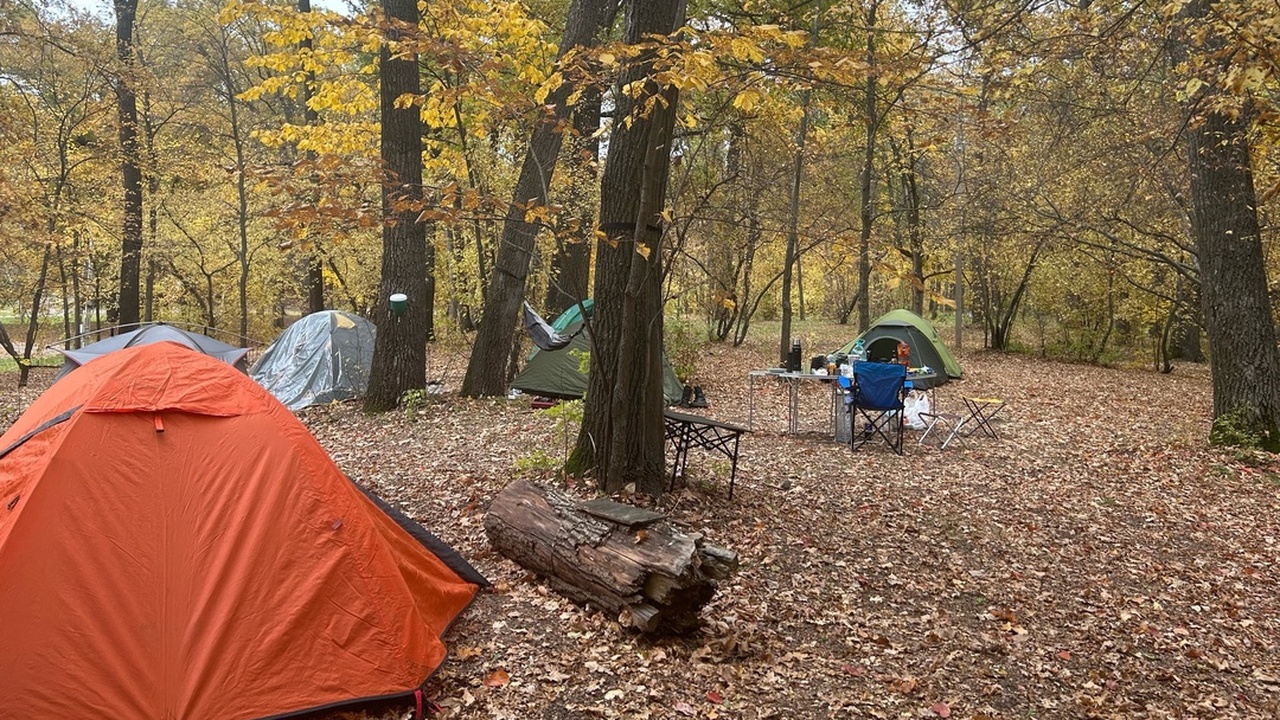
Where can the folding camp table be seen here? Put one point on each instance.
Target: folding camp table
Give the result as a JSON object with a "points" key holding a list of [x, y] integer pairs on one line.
{"points": [[684, 431], [793, 380]]}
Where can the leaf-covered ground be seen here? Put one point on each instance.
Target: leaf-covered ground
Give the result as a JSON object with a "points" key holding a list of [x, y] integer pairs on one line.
{"points": [[1097, 560]]}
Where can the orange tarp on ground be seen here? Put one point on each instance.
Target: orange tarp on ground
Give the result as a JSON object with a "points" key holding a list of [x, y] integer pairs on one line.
{"points": [[178, 545]]}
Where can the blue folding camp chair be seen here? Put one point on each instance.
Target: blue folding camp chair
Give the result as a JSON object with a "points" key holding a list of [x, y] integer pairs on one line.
{"points": [[876, 395]]}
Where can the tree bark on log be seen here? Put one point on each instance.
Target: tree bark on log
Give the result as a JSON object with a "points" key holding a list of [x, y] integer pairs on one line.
{"points": [[615, 557]]}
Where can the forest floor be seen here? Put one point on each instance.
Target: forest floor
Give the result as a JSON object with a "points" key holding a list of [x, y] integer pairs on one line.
{"points": [[1097, 560]]}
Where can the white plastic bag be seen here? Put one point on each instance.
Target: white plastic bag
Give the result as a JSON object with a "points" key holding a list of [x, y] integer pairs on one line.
{"points": [[915, 403]]}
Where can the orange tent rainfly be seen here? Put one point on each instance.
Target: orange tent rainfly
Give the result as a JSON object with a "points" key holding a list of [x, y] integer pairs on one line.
{"points": [[175, 544]]}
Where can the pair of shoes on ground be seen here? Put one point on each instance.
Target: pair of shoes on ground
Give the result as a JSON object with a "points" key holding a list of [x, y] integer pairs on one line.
{"points": [[693, 397]]}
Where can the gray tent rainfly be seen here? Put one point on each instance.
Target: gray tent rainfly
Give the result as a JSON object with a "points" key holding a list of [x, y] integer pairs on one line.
{"points": [[154, 333], [323, 357]]}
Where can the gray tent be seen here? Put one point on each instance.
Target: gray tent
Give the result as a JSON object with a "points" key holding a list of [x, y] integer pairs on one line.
{"points": [[556, 373], [157, 332], [322, 357]]}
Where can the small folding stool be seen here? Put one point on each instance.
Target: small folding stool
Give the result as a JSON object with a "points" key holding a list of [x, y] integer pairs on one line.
{"points": [[981, 411], [947, 422]]}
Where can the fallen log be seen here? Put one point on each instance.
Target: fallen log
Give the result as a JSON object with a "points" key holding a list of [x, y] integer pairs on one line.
{"points": [[616, 557]]}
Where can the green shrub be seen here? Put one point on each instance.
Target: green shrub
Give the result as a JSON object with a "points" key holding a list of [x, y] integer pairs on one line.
{"points": [[684, 347], [537, 462], [1245, 429], [567, 416], [413, 401]]}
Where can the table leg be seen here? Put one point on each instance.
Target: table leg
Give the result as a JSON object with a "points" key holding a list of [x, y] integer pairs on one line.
{"points": [[793, 423], [733, 471]]}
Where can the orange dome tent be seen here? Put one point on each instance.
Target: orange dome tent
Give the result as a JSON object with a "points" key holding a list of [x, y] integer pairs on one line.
{"points": [[175, 544]]}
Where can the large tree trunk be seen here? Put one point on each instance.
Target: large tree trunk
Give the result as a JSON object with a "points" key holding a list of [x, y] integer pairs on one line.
{"points": [[619, 558], [400, 350], [486, 371], [1233, 278], [622, 435], [130, 166]]}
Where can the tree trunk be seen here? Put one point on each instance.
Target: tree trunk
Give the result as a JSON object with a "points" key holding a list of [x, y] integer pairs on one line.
{"points": [[747, 310], [152, 178], [1233, 279], [486, 371], [400, 350], [315, 263], [67, 332], [7, 343], [791, 259], [867, 214], [915, 234], [130, 166], [960, 300], [241, 250], [33, 323], [568, 280], [622, 431], [77, 303], [619, 558]]}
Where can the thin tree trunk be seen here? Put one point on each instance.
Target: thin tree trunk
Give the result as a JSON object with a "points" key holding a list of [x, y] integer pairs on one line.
{"points": [[748, 265], [77, 303], [33, 323], [793, 237], [486, 371], [400, 350], [867, 214], [153, 212], [66, 300], [959, 293], [315, 263], [915, 238], [791, 258], [242, 200]]}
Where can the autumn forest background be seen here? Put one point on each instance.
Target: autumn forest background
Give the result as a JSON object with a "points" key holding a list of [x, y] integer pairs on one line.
{"points": [[1080, 196], [1027, 166]]}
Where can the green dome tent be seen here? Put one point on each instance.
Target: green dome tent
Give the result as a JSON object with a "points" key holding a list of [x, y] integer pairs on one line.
{"points": [[556, 374], [880, 342]]}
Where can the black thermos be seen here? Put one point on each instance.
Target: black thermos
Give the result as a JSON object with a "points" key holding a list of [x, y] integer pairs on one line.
{"points": [[793, 359]]}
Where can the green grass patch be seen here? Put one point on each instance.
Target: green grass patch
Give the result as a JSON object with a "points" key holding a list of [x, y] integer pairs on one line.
{"points": [[7, 363]]}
